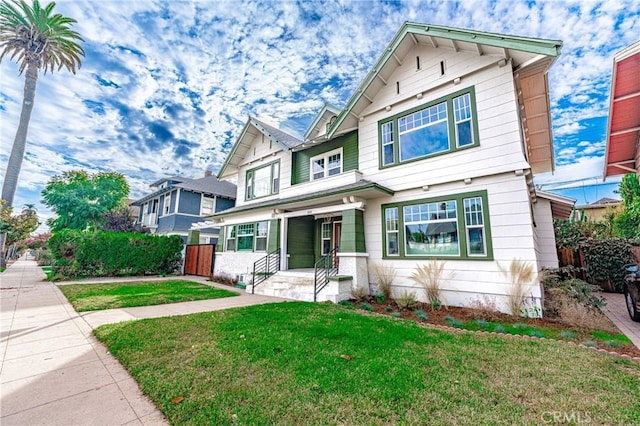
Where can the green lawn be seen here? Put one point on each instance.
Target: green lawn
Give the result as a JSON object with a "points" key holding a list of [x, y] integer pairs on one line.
{"points": [[91, 297], [302, 363]]}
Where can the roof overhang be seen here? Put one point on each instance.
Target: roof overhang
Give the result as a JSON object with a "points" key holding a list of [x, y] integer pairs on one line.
{"points": [[151, 196], [530, 57], [238, 153], [622, 153], [362, 190], [561, 207]]}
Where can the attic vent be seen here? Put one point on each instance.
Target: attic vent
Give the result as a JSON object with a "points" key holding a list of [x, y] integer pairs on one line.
{"points": [[418, 62], [441, 67], [331, 122]]}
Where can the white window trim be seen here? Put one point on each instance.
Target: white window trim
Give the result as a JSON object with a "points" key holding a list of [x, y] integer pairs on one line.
{"points": [[213, 208], [175, 210], [325, 156], [165, 206]]}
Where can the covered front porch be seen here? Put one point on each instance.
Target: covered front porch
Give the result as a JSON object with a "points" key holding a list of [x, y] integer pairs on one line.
{"points": [[296, 237]]}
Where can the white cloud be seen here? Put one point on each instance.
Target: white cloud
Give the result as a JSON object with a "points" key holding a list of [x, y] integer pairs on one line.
{"points": [[202, 67]]}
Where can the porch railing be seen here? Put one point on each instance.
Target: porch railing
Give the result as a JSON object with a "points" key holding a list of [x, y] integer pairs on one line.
{"points": [[325, 267], [265, 267]]}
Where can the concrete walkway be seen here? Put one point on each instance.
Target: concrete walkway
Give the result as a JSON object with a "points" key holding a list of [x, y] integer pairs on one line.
{"points": [[54, 372], [616, 311]]}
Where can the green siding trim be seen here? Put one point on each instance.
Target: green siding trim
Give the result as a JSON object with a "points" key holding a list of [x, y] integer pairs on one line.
{"points": [[353, 237], [300, 172], [300, 246], [453, 147], [273, 238], [462, 234]]}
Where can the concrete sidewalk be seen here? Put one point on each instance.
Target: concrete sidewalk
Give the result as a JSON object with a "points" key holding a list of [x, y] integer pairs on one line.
{"points": [[616, 311], [54, 372]]}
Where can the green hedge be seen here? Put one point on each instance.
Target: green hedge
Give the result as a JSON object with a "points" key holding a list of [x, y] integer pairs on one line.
{"points": [[605, 262], [103, 254]]}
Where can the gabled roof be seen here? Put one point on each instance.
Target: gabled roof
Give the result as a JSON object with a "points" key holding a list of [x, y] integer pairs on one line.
{"points": [[529, 57], [170, 179], [252, 128], [325, 113], [623, 128], [210, 185]]}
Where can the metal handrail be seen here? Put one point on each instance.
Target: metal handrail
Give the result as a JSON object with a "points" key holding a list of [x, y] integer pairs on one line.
{"points": [[265, 267], [324, 268]]}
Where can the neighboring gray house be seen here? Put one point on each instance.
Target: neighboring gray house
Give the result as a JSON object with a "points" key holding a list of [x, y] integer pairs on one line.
{"points": [[177, 202]]}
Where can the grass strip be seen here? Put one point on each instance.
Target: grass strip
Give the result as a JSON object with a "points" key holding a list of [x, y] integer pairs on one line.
{"points": [[91, 297]]}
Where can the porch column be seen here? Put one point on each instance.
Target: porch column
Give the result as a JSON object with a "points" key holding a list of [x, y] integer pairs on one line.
{"points": [[284, 223], [353, 252]]}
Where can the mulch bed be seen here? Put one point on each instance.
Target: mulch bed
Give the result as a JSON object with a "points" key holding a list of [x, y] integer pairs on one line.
{"points": [[463, 315]]}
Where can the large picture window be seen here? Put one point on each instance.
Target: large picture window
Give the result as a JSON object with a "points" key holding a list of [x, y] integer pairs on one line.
{"points": [[247, 237], [326, 164], [445, 227], [444, 125], [263, 181]]}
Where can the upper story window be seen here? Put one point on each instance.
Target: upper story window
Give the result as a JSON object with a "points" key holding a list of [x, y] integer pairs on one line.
{"points": [[263, 181], [166, 205], [326, 164], [444, 125], [207, 207]]}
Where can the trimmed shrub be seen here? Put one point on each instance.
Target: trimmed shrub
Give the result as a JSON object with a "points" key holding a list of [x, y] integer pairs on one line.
{"points": [[104, 254]]}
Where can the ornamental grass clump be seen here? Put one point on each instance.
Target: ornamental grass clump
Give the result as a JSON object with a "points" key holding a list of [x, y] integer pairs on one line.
{"points": [[429, 275], [521, 275], [385, 275]]}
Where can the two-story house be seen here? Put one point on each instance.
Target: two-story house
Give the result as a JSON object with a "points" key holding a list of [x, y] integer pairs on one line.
{"points": [[432, 158], [177, 202]]}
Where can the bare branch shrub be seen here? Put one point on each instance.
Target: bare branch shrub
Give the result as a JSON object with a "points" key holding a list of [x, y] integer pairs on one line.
{"points": [[385, 275], [429, 275], [522, 276]]}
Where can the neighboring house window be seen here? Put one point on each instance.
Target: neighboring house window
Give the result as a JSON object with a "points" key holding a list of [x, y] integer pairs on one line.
{"points": [[231, 239], [326, 164], [208, 205], [167, 204], [263, 181], [444, 125], [247, 237], [448, 227]]}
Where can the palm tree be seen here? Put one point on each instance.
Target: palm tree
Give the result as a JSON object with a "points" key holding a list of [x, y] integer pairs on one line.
{"points": [[38, 40]]}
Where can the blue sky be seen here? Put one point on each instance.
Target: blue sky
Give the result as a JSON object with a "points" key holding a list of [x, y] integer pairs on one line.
{"points": [[166, 87]]}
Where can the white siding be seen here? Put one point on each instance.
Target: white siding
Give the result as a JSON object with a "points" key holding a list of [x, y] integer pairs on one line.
{"points": [[266, 152], [500, 147], [545, 241], [512, 238]]}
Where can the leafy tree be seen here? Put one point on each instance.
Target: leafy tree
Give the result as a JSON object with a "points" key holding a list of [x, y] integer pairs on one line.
{"points": [[16, 227], [81, 200], [120, 220], [627, 223], [38, 40]]}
